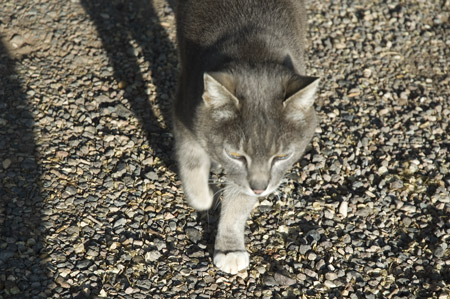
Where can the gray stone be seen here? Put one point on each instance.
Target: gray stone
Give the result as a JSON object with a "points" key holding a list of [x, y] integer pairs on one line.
{"points": [[151, 175], [284, 280], [193, 234], [120, 222]]}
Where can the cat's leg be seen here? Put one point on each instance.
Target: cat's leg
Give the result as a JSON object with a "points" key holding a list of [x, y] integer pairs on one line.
{"points": [[230, 254], [194, 165]]}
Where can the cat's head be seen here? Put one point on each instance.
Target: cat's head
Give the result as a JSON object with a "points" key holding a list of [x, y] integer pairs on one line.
{"points": [[256, 123]]}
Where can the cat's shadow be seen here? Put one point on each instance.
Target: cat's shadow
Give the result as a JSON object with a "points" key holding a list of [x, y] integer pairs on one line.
{"points": [[132, 35], [209, 221]]}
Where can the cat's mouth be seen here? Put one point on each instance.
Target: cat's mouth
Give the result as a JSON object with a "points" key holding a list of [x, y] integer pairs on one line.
{"points": [[261, 193]]}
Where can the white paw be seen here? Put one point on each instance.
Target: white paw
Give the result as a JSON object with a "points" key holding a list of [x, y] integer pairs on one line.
{"points": [[231, 262], [202, 201]]}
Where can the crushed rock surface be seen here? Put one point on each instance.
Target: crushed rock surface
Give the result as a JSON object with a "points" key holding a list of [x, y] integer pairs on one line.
{"points": [[90, 203]]}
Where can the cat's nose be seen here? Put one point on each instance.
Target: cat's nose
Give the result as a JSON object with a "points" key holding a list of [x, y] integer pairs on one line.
{"points": [[259, 183], [257, 191], [258, 187]]}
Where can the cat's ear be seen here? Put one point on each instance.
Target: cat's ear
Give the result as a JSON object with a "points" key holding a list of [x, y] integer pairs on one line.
{"points": [[287, 62], [300, 93], [218, 89]]}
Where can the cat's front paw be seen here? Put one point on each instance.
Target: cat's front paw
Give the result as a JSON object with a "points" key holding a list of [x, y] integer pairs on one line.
{"points": [[231, 262], [201, 201]]}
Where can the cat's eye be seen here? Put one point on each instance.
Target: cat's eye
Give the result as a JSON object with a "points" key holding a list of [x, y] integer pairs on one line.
{"points": [[281, 157], [237, 156]]}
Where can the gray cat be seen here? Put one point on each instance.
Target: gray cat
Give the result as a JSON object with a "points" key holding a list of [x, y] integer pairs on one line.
{"points": [[243, 101]]}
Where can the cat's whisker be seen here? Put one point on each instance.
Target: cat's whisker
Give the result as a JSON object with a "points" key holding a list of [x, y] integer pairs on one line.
{"points": [[216, 206], [225, 188], [218, 191], [219, 181]]}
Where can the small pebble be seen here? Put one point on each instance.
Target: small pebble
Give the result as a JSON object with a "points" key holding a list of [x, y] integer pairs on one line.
{"points": [[343, 208], [6, 163]]}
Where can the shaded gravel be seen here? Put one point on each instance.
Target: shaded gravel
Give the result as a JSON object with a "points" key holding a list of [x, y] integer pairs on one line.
{"points": [[90, 204]]}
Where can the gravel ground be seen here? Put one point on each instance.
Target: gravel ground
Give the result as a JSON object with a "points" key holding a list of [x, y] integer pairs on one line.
{"points": [[91, 205]]}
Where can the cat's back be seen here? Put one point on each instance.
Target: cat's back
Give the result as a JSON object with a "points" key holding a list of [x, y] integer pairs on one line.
{"points": [[205, 22]]}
